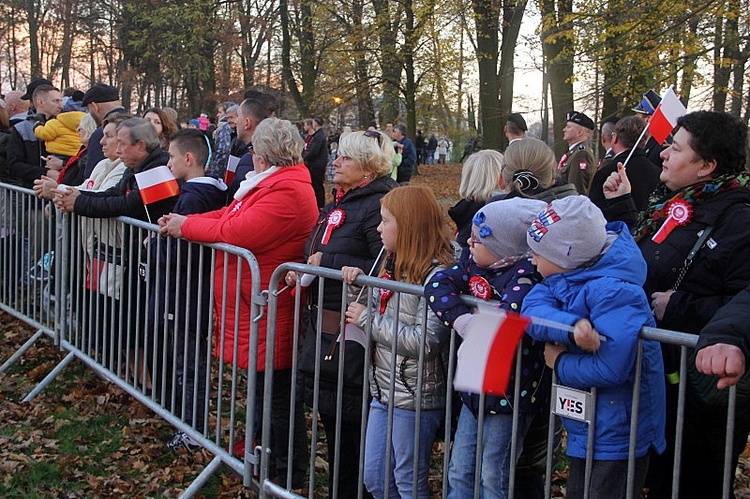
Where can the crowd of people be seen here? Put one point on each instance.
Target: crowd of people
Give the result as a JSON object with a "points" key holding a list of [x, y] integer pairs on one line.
{"points": [[601, 250]]}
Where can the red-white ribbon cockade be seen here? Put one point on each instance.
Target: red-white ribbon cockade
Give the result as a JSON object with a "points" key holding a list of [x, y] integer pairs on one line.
{"points": [[385, 294], [335, 220], [679, 212], [480, 288]]}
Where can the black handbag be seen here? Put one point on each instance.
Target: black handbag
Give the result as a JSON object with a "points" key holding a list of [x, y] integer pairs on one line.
{"points": [[330, 348]]}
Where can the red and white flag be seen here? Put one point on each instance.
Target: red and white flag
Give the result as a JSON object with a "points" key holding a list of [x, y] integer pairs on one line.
{"points": [[157, 184], [232, 163], [665, 117], [485, 359]]}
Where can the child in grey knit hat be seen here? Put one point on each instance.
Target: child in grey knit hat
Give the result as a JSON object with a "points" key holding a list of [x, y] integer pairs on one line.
{"points": [[499, 269], [593, 282]]}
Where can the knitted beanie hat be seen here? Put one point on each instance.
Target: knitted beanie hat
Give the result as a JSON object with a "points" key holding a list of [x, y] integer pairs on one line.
{"points": [[569, 232], [501, 225]]}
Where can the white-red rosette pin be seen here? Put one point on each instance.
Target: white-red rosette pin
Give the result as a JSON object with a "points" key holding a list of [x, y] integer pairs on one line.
{"points": [[335, 220], [679, 212], [480, 288]]}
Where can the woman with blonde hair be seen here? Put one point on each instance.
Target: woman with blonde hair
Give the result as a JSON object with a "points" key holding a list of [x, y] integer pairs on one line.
{"points": [[417, 245], [480, 180], [362, 179]]}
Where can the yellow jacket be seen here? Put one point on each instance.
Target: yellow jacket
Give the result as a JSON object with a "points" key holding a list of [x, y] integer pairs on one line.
{"points": [[60, 134]]}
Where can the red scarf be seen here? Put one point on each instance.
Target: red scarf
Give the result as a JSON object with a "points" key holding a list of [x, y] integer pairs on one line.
{"points": [[71, 162]]}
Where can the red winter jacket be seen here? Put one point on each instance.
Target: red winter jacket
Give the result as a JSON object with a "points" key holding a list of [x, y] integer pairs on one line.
{"points": [[273, 221]]}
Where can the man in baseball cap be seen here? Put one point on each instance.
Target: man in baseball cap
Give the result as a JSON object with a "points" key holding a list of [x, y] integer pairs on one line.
{"points": [[101, 100], [99, 93], [32, 86]]}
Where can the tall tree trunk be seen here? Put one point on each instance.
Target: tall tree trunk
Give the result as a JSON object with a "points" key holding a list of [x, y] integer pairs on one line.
{"points": [[738, 77], [688, 72], [362, 87], [611, 65], [408, 49], [513, 11], [390, 65], [722, 64], [558, 48], [486, 18], [308, 57], [32, 12], [286, 62]]}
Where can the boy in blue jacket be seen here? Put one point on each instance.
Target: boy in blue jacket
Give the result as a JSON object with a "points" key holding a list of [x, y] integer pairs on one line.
{"points": [[593, 277], [181, 294]]}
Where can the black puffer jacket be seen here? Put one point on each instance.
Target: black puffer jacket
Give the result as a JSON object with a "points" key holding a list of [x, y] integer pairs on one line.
{"points": [[357, 242], [315, 153]]}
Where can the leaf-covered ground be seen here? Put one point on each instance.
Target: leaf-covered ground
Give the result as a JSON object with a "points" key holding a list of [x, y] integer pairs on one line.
{"points": [[82, 436]]}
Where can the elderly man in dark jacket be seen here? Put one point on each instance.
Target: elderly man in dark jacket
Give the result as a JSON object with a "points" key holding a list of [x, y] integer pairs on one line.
{"points": [[140, 150]]}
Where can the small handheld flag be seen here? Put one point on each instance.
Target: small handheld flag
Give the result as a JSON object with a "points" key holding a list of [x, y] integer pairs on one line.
{"points": [[157, 184], [665, 117], [485, 359], [231, 169]]}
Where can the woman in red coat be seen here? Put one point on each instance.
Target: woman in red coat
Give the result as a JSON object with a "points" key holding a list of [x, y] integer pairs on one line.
{"points": [[271, 215]]}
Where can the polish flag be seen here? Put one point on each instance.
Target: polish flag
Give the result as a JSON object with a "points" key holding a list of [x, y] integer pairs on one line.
{"points": [[157, 184], [665, 117], [231, 169], [485, 359]]}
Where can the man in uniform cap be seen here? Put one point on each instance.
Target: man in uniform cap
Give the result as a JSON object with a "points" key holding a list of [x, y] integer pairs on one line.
{"points": [[101, 100], [577, 165], [515, 127], [644, 110]]}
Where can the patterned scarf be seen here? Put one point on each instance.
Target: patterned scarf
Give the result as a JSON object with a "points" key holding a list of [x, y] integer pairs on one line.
{"points": [[652, 219]]}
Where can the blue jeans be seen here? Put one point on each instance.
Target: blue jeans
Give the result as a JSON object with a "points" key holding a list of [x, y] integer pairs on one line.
{"points": [[402, 451], [496, 455]]}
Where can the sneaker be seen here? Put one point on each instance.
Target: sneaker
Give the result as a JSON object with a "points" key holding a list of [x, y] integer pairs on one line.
{"points": [[181, 440], [43, 268]]}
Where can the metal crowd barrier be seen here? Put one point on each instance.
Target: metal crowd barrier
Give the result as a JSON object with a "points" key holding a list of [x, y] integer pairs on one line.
{"points": [[26, 237], [95, 301], [317, 449], [102, 299]]}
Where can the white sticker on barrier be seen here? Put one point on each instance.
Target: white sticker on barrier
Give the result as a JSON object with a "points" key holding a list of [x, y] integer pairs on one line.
{"points": [[571, 403]]}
